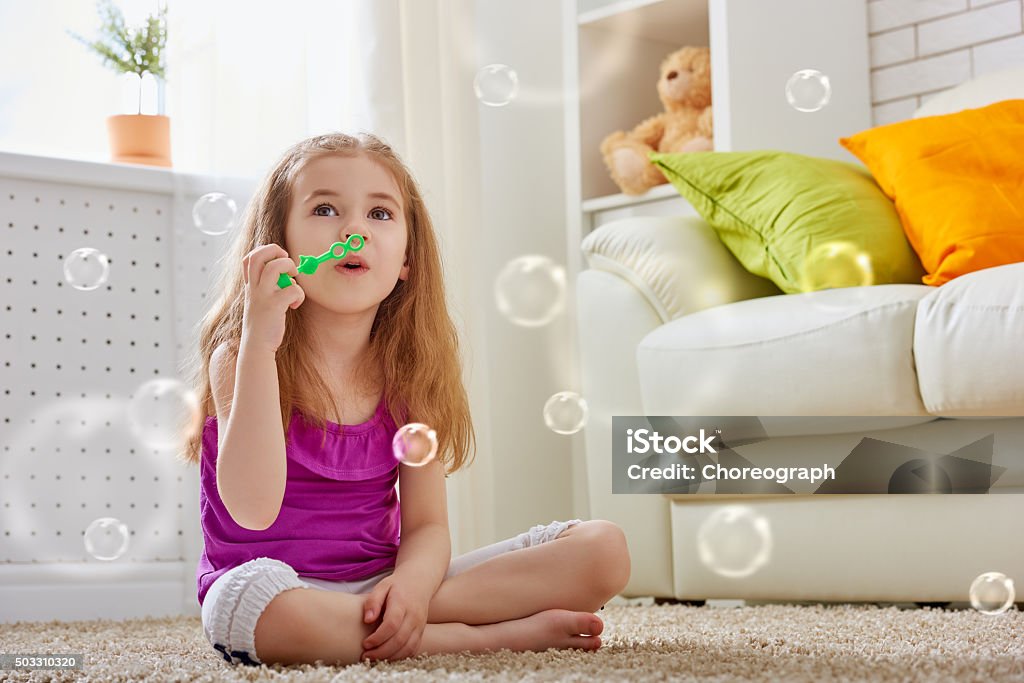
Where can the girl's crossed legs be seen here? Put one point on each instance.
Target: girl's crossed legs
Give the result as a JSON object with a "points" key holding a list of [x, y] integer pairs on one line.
{"points": [[540, 596]]}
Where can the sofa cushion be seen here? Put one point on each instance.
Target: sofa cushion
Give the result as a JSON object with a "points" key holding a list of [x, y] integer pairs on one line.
{"points": [[676, 262], [1007, 84], [969, 344], [956, 182], [835, 352], [782, 215]]}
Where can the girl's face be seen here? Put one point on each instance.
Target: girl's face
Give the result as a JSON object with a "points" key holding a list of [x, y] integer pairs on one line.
{"points": [[334, 197]]}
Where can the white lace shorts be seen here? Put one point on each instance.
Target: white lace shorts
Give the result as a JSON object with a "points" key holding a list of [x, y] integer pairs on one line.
{"points": [[236, 600]]}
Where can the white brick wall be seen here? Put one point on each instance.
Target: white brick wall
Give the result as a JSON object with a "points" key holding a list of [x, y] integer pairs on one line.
{"points": [[921, 47]]}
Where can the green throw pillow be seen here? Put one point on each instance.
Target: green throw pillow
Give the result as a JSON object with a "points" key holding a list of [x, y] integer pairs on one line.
{"points": [[795, 219]]}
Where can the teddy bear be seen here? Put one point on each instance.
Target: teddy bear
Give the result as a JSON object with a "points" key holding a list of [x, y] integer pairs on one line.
{"points": [[685, 126]]}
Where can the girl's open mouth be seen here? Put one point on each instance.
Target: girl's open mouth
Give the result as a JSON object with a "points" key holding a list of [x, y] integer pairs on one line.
{"points": [[351, 269]]}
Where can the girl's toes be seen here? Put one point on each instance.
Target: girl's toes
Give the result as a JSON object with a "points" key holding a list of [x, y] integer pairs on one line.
{"points": [[588, 624]]}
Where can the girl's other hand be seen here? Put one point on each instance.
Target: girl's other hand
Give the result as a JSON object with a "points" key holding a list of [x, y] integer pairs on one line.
{"points": [[263, 318], [405, 617]]}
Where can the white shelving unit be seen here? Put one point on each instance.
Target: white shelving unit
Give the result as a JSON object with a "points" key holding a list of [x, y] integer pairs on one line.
{"points": [[612, 53], [612, 62]]}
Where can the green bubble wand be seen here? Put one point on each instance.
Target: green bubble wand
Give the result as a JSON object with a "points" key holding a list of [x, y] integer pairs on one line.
{"points": [[309, 264]]}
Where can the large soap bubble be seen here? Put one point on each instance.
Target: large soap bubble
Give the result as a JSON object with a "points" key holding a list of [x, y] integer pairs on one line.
{"points": [[808, 90], [86, 268], [496, 85], [734, 541], [530, 290], [565, 412], [415, 444], [106, 538], [992, 593], [836, 264], [214, 213], [164, 413]]}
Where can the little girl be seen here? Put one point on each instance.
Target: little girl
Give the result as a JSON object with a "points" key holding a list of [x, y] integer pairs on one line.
{"points": [[291, 500]]}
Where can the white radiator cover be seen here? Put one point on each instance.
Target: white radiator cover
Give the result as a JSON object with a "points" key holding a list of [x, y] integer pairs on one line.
{"points": [[69, 362]]}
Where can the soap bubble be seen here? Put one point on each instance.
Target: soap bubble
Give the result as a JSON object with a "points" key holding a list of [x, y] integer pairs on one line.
{"points": [[214, 213], [992, 593], [808, 90], [164, 413], [414, 444], [836, 264], [565, 412], [734, 541], [530, 290], [106, 538], [86, 268], [496, 85]]}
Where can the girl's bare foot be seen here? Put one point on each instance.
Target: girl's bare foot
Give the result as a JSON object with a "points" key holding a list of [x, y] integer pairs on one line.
{"points": [[558, 628]]}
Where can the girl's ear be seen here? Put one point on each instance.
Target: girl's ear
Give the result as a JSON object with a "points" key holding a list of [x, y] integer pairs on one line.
{"points": [[403, 274]]}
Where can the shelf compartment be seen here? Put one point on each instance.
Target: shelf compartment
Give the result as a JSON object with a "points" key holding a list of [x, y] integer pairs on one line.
{"points": [[621, 47]]}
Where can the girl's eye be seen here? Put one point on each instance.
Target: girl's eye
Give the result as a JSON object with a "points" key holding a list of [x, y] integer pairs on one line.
{"points": [[317, 212], [380, 211]]}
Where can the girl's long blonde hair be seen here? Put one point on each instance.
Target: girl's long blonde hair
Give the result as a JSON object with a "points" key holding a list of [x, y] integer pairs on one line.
{"points": [[413, 342]]}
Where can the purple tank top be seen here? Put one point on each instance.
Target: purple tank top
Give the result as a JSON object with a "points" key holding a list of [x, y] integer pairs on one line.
{"points": [[339, 519]]}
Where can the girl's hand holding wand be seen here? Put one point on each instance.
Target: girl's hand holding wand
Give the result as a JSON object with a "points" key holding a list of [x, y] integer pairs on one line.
{"points": [[405, 616], [265, 305]]}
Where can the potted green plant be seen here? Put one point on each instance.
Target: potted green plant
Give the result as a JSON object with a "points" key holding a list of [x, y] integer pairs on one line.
{"points": [[134, 138]]}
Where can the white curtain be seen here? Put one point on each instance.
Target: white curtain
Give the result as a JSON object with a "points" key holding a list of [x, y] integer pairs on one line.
{"points": [[246, 80], [493, 180], [436, 131]]}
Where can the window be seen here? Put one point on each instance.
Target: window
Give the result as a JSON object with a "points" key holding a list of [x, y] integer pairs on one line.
{"points": [[243, 83]]}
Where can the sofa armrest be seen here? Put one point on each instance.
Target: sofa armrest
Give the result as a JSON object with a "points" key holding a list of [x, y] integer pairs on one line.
{"points": [[966, 334], [676, 262]]}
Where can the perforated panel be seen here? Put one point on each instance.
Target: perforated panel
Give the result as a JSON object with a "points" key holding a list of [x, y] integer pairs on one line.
{"points": [[71, 360]]}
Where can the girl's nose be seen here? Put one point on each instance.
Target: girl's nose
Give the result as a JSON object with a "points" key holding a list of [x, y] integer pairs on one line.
{"points": [[364, 235]]}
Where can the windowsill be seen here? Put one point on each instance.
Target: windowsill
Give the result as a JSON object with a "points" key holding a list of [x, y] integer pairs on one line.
{"points": [[121, 176]]}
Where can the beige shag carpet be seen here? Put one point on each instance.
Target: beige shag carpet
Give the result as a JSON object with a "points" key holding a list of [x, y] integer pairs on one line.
{"points": [[652, 643]]}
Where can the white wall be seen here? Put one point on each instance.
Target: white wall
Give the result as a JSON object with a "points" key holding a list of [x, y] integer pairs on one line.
{"points": [[523, 212], [922, 47]]}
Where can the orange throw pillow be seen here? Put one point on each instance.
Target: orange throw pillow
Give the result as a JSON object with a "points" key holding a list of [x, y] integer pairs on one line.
{"points": [[958, 185]]}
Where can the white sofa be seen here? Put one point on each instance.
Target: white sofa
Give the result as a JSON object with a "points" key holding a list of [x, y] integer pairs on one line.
{"points": [[671, 324]]}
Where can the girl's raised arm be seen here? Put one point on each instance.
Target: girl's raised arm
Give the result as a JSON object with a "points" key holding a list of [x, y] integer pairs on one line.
{"points": [[251, 462]]}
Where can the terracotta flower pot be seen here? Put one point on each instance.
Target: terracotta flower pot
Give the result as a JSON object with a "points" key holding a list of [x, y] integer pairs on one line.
{"points": [[140, 139]]}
